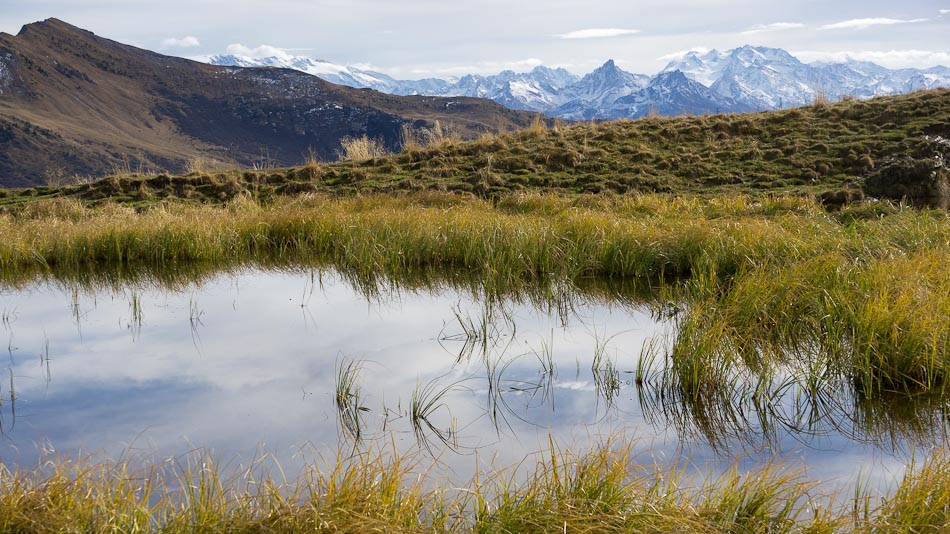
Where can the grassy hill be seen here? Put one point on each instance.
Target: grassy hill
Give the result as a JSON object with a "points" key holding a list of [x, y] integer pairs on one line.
{"points": [[808, 150]]}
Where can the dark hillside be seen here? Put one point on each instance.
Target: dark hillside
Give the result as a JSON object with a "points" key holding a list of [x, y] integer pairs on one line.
{"points": [[72, 103]]}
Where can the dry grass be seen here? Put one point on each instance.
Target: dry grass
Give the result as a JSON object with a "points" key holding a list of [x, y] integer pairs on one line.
{"points": [[603, 490], [361, 148]]}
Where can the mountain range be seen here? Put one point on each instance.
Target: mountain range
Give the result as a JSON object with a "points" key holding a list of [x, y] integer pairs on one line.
{"points": [[747, 78], [73, 103]]}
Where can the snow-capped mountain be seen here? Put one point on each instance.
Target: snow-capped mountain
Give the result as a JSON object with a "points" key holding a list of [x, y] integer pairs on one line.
{"points": [[339, 74], [672, 93], [743, 79], [537, 90], [764, 78], [771, 78], [595, 94]]}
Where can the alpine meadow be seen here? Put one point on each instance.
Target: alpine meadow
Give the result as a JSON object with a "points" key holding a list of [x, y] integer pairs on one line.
{"points": [[278, 294]]}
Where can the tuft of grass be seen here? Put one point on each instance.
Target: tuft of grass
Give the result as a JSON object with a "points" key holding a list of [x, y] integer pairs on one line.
{"points": [[603, 489], [361, 148], [921, 502]]}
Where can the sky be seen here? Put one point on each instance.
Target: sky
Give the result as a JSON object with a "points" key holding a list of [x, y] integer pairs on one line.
{"points": [[413, 39]]}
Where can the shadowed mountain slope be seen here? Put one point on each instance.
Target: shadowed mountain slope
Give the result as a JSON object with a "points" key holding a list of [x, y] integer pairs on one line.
{"points": [[73, 103]]}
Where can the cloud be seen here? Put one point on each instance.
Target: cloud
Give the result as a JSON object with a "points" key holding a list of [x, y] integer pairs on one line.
{"points": [[481, 67], [861, 24], [945, 11], [184, 42], [598, 33], [894, 59], [774, 27], [259, 52], [675, 56]]}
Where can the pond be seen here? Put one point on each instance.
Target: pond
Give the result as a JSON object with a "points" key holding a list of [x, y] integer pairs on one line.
{"points": [[305, 363]]}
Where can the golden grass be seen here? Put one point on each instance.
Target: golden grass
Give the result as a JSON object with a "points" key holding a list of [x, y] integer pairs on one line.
{"points": [[361, 148], [603, 489]]}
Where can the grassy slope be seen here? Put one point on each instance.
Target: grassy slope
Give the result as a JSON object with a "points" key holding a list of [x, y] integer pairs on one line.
{"points": [[804, 150]]}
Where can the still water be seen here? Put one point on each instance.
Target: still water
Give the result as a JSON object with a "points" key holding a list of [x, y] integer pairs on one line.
{"points": [[303, 363]]}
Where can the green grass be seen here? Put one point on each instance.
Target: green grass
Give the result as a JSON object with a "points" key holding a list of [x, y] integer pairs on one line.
{"points": [[807, 150], [603, 489]]}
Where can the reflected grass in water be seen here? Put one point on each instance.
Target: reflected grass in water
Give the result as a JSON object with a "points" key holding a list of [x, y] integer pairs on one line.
{"points": [[713, 385], [732, 404], [424, 403], [857, 301], [603, 489], [348, 398]]}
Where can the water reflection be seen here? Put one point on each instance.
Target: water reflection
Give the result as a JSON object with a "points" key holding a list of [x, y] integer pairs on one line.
{"points": [[284, 359], [727, 404]]}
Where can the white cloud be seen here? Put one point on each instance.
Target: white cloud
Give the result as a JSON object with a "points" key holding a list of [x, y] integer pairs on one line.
{"points": [[366, 66], [945, 11], [682, 53], [774, 27], [860, 24], [184, 42], [259, 52], [598, 33], [481, 67], [894, 59]]}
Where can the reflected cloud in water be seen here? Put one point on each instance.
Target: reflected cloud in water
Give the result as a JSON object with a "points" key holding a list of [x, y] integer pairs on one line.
{"points": [[252, 360]]}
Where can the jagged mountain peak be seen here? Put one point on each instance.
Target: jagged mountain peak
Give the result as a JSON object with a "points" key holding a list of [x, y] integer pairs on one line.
{"points": [[609, 73], [670, 76], [609, 68]]}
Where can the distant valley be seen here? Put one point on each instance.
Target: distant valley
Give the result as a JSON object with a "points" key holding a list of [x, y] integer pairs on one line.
{"points": [[743, 79]]}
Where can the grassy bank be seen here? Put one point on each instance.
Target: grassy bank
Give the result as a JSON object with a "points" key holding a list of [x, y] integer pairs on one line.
{"points": [[766, 280], [812, 149], [600, 490], [519, 237]]}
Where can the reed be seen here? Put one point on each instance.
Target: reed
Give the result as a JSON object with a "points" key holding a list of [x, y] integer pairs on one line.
{"points": [[603, 489], [348, 398]]}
